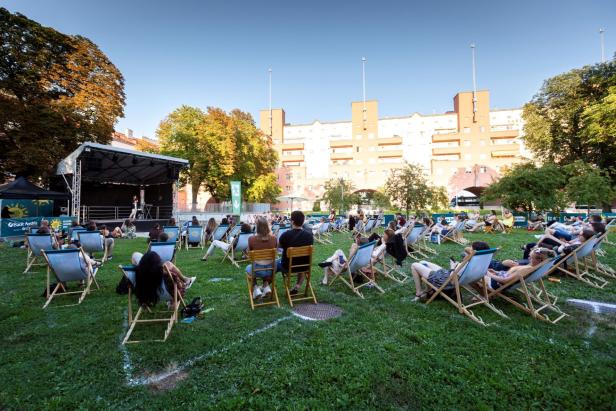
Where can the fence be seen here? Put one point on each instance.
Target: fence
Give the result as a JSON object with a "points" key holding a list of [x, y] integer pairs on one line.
{"points": [[227, 208]]}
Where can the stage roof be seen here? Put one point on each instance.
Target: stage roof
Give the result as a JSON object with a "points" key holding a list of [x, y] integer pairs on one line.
{"points": [[107, 164]]}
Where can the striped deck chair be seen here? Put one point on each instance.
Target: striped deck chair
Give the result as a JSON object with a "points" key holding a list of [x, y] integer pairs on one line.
{"points": [[369, 226], [468, 274], [165, 250], [576, 268], [362, 258], [455, 234], [194, 235], [173, 232], [424, 240], [322, 235], [68, 265], [241, 246], [169, 318], [93, 242], [412, 240], [593, 262], [359, 227], [220, 232], [536, 299], [388, 268], [74, 233], [36, 244], [232, 233], [275, 228], [256, 255], [300, 262]]}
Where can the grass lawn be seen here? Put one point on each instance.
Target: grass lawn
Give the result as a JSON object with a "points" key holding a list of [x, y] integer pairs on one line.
{"points": [[384, 352]]}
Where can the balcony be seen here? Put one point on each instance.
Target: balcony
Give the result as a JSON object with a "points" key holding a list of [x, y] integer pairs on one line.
{"points": [[505, 153], [507, 147], [393, 141], [390, 153], [291, 146], [446, 157], [442, 138], [292, 159], [341, 156], [504, 134], [445, 150], [341, 143]]}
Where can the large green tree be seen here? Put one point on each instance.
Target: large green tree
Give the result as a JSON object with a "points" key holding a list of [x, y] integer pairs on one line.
{"points": [[56, 91], [587, 185], [408, 188], [265, 189], [338, 194]]}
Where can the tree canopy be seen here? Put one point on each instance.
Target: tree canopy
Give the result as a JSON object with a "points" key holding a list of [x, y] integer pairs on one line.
{"points": [[338, 194], [409, 189], [265, 189], [54, 88]]}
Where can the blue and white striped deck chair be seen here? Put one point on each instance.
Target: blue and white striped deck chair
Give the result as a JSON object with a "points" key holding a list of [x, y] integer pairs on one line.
{"points": [[576, 267], [468, 273], [68, 265], [75, 233], [424, 240], [388, 269], [369, 226], [275, 228], [165, 250], [359, 227], [412, 241], [241, 246], [593, 261], [36, 244], [92, 242], [235, 230], [219, 233], [173, 232], [455, 234], [536, 298], [362, 258], [321, 234], [169, 318], [194, 235]]}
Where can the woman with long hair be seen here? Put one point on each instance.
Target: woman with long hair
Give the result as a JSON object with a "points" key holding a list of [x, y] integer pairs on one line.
{"points": [[262, 240], [150, 273], [210, 228]]}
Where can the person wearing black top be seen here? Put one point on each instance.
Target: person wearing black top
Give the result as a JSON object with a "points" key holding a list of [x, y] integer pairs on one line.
{"points": [[296, 237]]}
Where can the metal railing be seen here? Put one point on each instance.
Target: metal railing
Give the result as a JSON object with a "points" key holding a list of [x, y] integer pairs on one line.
{"points": [[88, 213], [227, 208]]}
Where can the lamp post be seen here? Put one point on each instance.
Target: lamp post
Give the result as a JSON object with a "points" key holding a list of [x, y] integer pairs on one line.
{"points": [[601, 35]]}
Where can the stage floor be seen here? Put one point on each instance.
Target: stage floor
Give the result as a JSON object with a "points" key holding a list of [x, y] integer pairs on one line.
{"points": [[143, 226]]}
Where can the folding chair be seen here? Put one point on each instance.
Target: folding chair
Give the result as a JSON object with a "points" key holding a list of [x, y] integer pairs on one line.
{"points": [[241, 245], [610, 228], [92, 242], [235, 230], [300, 262], [68, 265], [220, 232], [74, 233], [362, 258], [369, 226], [359, 227], [322, 236], [576, 267], [173, 232], [593, 262], [165, 250], [424, 238], [194, 235], [388, 269], [260, 255], [532, 289], [454, 234], [36, 244], [412, 241], [468, 273], [275, 228], [164, 296]]}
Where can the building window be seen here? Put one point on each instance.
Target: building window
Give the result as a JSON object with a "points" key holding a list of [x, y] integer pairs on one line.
{"points": [[467, 143], [467, 130], [468, 170], [483, 169]]}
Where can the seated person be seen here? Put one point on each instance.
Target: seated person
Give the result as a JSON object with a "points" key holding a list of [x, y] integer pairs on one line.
{"points": [[295, 237], [128, 229], [163, 237], [244, 228], [435, 274], [316, 227], [154, 233], [559, 244], [108, 239], [332, 216], [489, 221], [171, 222], [536, 222], [401, 221], [262, 240], [495, 278], [210, 228], [44, 229], [508, 219], [473, 221], [150, 274]]}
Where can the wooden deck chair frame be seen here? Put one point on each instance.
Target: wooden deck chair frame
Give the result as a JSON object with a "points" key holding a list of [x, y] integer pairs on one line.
{"points": [[580, 271], [387, 269], [90, 252], [88, 276], [359, 227], [35, 249], [174, 233], [412, 239], [188, 237], [593, 262], [322, 235], [610, 228], [455, 234], [424, 238], [369, 226], [536, 299], [475, 285], [299, 268], [361, 259], [255, 255], [169, 320], [165, 244], [240, 245]]}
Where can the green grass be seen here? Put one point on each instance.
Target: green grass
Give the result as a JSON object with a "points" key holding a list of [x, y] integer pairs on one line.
{"points": [[384, 352]]}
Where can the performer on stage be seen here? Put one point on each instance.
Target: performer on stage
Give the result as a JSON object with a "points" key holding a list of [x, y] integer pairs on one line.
{"points": [[133, 213]]}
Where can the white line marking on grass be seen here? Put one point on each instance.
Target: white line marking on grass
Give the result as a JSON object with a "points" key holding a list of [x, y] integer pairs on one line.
{"points": [[596, 305], [132, 381]]}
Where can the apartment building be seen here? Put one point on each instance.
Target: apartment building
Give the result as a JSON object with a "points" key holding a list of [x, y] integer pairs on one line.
{"points": [[462, 149]]}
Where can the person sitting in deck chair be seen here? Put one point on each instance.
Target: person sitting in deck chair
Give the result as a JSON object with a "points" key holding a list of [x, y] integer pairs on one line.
{"points": [[494, 278], [245, 228], [108, 241], [508, 220], [262, 240], [150, 274], [559, 244], [442, 227], [317, 226], [209, 229]]}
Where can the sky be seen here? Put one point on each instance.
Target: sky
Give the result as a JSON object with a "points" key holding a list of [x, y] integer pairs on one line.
{"points": [[206, 53]]}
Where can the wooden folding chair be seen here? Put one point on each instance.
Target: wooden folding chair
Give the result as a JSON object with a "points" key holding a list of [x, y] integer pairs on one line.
{"points": [[468, 274], [256, 255], [241, 245], [194, 235], [322, 235], [164, 295], [593, 262], [93, 242], [424, 238], [576, 267], [388, 269], [300, 262], [36, 244], [68, 265], [455, 234], [362, 258], [536, 299]]}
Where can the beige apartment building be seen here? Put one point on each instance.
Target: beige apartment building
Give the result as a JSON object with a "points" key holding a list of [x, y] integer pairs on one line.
{"points": [[463, 149]]}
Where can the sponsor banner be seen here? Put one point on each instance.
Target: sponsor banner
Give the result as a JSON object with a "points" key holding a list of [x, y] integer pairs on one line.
{"points": [[236, 197], [18, 227]]}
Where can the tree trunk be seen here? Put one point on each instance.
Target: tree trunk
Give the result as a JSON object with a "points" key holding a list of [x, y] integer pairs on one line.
{"points": [[195, 186]]}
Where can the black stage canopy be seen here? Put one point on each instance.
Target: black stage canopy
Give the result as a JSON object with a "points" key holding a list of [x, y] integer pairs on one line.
{"points": [[22, 189]]}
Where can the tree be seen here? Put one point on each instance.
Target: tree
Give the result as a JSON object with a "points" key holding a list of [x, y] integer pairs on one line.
{"points": [[338, 194], [265, 189], [572, 118], [54, 88], [438, 199], [588, 185], [528, 187], [408, 188]]}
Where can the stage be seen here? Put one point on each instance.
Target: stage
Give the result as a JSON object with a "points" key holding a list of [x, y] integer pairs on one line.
{"points": [[143, 226]]}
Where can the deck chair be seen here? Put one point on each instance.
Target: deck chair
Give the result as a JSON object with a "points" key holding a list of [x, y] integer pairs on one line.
{"points": [[362, 258], [173, 232], [300, 262], [359, 227], [234, 231], [256, 255], [388, 269], [576, 267], [241, 245], [412, 240], [281, 231], [593, 262], [220, 232], [610, 228], [194, 235], [68, 265], [467, 275], [275, 228], [455, 234], [424, 240], [507, 224], [168, 317], [165, 250], [36, 244], [322, 236], [369, 226], [74, 233], [535, 298], [93, 242]]}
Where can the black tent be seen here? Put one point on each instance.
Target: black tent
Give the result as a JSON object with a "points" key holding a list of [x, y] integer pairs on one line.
{"points": [[22, 189]]}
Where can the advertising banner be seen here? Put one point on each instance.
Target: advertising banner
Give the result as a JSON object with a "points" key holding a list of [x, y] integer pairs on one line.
{"points": [[236, 197], [18, 227]]}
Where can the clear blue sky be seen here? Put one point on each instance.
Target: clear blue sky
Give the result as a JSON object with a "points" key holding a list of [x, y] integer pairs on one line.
{"points": [[206, 53]]}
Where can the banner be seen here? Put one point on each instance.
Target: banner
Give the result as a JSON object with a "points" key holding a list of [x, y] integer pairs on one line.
{"points": [[28, 208], [236, 197], [18, 227]]}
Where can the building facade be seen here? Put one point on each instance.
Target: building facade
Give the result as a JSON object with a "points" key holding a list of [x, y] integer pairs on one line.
{"points": [[464, 149]]}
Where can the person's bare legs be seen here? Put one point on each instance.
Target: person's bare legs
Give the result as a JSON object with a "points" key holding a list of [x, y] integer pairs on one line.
{"points": [[422, 269]]}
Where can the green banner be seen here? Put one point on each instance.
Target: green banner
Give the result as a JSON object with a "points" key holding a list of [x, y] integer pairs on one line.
{"points": [[28, 208], [18, 227], [236, 197]]}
